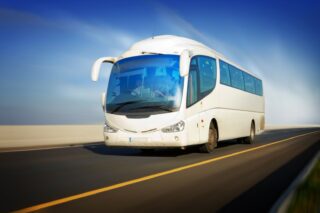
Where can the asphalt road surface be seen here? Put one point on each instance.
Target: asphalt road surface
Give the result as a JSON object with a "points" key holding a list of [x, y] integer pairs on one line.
{"points": [[234, 178]]}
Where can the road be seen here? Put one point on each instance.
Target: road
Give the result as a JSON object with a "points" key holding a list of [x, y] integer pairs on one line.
{"points": [[234, 178]]}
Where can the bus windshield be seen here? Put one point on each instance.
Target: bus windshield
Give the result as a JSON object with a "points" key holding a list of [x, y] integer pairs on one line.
{"points": [[148, 84]]}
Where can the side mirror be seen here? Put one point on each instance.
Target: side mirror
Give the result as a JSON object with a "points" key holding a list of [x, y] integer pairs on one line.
{"points": [[97, 65], [103, 101], [184, 62]]}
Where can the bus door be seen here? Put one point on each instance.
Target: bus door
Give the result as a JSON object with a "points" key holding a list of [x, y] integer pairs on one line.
{"points": [[207, 69], [193, 105]]}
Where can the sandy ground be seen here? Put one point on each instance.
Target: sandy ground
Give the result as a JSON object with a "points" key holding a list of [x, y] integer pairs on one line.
{"points": [[46, 135]]}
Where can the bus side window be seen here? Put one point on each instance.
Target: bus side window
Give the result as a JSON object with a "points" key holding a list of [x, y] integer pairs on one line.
{"points": [[224, 73], [192, 94], [249, 83], [236, 78], [207, 74], [259, 90]]}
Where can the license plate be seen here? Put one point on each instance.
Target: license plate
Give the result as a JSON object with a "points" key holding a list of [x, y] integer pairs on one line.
{"points": [[135, 139]]}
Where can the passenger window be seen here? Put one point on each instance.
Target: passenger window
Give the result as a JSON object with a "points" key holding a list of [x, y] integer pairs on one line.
{"points": [[207, 71], [192, 94], [259, 90], [236, 78], [249, 83], [224, 73]]}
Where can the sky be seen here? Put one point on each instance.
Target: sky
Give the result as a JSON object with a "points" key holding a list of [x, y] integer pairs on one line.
{"points": [[47, 49]]}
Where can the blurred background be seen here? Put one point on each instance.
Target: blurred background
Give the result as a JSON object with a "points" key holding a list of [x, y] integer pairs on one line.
{"points": [[47, 49]]}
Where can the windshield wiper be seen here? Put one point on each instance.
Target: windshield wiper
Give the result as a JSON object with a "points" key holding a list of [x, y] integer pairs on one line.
{"points": [[162, 107], [120, 105]]}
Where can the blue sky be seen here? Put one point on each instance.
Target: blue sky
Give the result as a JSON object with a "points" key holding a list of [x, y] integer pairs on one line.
{"points": [[47, 49]]}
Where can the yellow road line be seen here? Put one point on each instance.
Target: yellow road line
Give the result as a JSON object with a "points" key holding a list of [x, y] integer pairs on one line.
{"points": [[148, 177]]}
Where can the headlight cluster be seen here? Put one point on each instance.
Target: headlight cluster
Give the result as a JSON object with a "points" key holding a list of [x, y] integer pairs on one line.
{"points": [[109, 129], [178, 127]]}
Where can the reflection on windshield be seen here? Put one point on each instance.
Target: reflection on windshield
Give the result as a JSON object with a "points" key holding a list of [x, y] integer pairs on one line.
{"points": [[148, 84]]}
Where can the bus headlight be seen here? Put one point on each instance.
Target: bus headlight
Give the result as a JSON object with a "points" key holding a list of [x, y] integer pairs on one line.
{"points": [[109, 129], [178, 127]]}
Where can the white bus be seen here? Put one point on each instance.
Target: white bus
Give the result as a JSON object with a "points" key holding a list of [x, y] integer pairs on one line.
{"points": [[169, 91]]}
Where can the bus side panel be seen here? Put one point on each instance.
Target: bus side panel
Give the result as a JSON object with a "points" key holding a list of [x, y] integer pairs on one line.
{"points": [[192, 124], [234, 111]]}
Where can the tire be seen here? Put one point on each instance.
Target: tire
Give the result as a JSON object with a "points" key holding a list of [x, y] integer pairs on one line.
{"points": [[212, 141], [250, 139]]}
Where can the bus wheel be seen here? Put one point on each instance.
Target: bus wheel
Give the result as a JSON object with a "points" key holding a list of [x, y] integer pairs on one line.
{"points": [[251, 137], [212, 141]]}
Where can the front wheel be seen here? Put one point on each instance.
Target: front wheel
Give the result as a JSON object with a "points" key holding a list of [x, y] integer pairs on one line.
{"points": [[251, 137], [212, 141]]}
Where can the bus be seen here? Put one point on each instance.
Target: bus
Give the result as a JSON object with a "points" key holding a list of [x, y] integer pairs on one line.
{"points": [[173, 92]]}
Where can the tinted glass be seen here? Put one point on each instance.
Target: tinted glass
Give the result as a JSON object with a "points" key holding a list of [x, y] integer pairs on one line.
{"points": [[249, 83], [192, 95], [207, 71], [236, 78], [145, 84], [224, 73], [259, 90]]}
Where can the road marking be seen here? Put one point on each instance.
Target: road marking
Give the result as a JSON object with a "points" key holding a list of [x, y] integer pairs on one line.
{"points": [[148, 177]]}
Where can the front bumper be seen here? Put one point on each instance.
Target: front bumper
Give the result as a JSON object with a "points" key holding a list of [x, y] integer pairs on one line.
{"points": [[155, 139]]}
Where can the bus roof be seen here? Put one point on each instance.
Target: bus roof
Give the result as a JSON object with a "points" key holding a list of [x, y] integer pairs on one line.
{"points": [[170, 44]]}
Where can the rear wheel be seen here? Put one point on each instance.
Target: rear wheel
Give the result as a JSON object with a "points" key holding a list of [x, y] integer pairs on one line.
{"points": [[251, 137], [212, 141]]}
